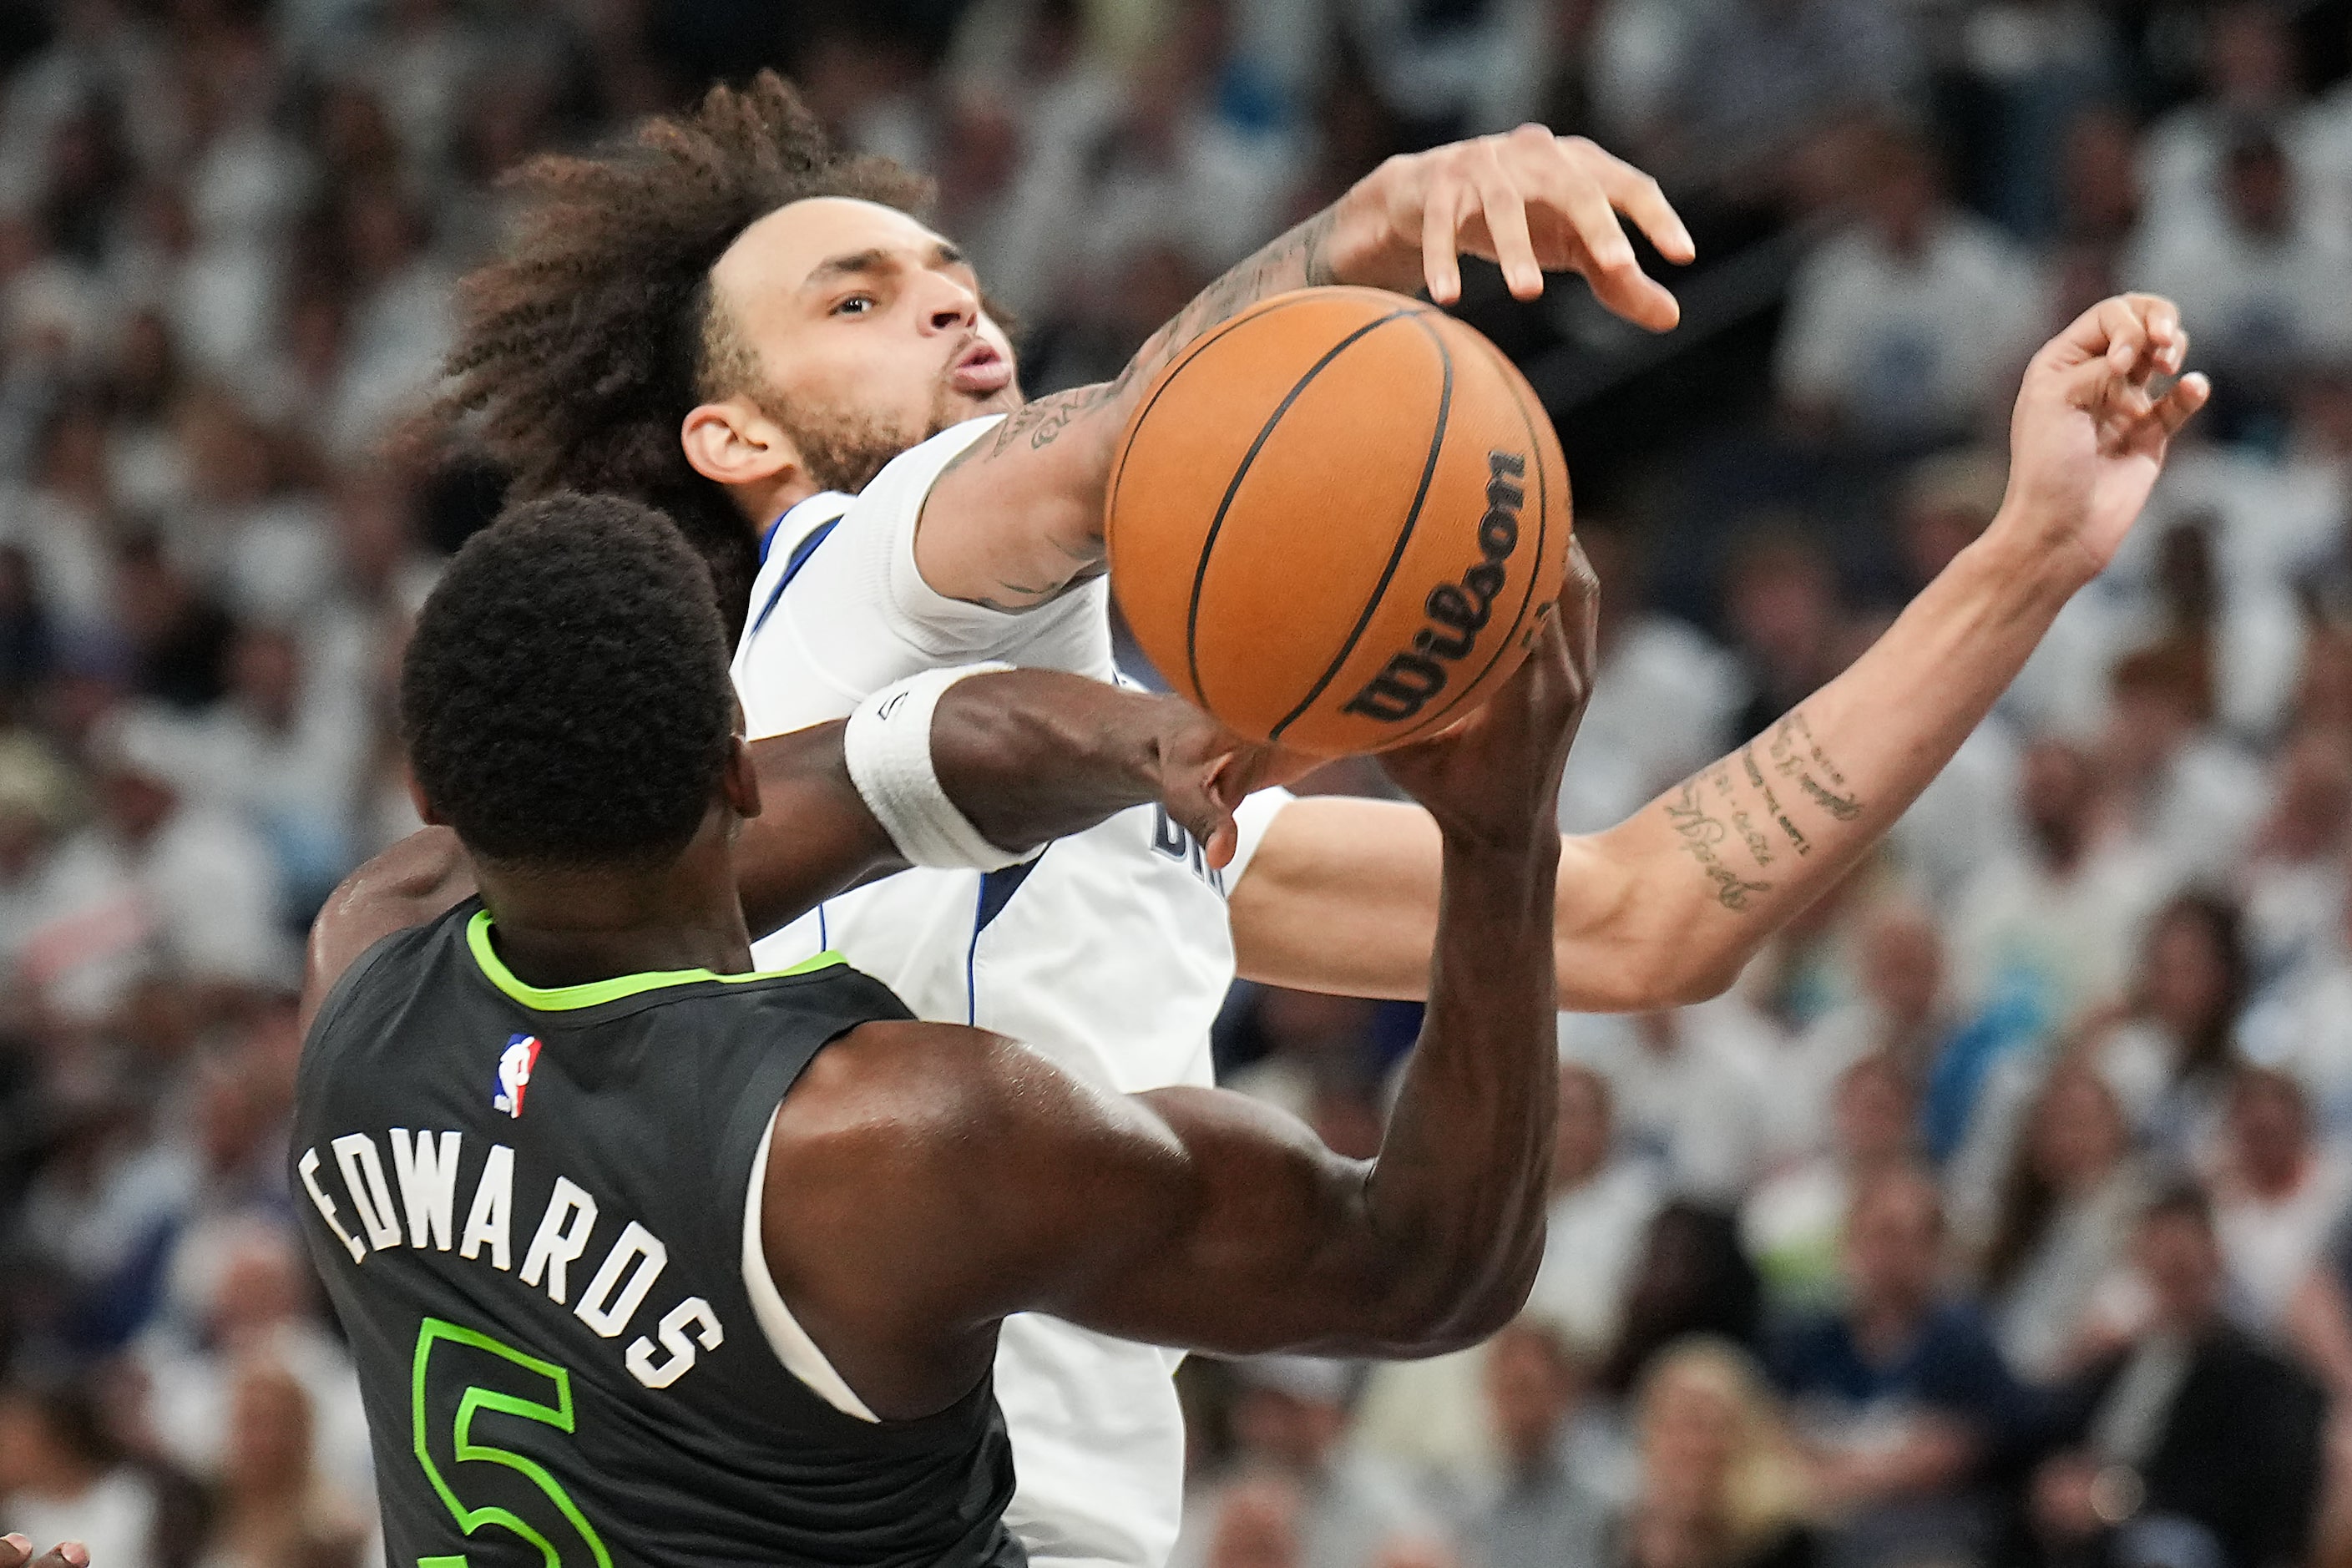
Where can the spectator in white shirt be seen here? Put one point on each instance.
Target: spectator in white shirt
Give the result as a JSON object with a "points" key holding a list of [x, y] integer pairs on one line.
{"points": [[2294, 884], [2052, 926], [1911, 324], [1432, 1414], [2263, 279], [1794, 1221], [62, 1478], [156, 882], [1602, 1205], [1688, 1089], [2249, 69], [1663, 697], [2278, 1195], [2055, 1268], [2182, 791], [2171, 1057]]}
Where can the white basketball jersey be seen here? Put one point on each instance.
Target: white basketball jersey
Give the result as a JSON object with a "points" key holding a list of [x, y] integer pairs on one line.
{"points": [[1109, 952]]}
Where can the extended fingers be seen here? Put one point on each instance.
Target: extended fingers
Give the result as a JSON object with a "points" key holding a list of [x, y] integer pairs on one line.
{"points": [[1441, 267], [1587, 188], [1505, 212], [1639, 197]]}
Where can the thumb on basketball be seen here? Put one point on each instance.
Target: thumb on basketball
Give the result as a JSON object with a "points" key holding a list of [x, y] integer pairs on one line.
{"points": [[1204, 802]]}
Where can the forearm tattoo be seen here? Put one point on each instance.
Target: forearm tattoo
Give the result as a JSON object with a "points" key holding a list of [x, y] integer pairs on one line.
{"points": [[1792, 747], [1763, 786], [1702, 835], [1298, 259], [1729, 831]]}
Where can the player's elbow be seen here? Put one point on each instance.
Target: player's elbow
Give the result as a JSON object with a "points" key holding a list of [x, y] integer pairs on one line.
{"points": [[1453, 1304], [1700, 977], [1456, 1324], [1642, 976]]}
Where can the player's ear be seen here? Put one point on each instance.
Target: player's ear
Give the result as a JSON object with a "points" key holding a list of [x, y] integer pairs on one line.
{"points": [[732, 443], [424, 812], [741, 782]]}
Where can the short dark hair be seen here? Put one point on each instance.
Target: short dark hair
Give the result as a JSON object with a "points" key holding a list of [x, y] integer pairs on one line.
{"points": [[584, 345], [565, 696]]}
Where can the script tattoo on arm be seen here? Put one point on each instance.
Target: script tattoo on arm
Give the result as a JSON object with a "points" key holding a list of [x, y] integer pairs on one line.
{"points": [[1763, 786], [1795, 755], [1297, 259], [1049, 558], [1759, 848], [1703, 835]]}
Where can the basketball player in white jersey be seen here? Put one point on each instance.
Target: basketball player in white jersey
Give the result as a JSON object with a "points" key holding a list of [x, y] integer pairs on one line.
{"points": [[731, 322]]}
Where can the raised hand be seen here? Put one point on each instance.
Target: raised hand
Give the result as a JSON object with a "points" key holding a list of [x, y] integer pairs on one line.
{"points": [[1529, 200], [2093, 422]]}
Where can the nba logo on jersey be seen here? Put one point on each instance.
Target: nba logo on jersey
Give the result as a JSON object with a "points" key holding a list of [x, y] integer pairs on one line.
{"points": [[514, 1073]]}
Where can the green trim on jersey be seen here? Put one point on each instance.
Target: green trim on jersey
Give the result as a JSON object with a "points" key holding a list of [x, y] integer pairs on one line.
{"points": [[568, 998], [434, 1330]]}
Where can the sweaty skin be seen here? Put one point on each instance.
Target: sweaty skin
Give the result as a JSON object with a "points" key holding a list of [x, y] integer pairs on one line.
{"points": [[932, 1180]]}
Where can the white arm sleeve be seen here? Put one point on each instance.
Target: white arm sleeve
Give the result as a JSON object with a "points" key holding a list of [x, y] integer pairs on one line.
{"points": [[854, 614]]}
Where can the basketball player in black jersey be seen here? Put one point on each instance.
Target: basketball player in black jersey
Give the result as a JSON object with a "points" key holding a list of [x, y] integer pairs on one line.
{"points": [[646, 1259]]}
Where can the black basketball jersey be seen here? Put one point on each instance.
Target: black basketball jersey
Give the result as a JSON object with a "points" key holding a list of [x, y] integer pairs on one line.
{"points": [[528, 1208]]}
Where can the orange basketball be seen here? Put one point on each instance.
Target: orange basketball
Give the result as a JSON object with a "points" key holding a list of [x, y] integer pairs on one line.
{"points": [[1337, 520]]}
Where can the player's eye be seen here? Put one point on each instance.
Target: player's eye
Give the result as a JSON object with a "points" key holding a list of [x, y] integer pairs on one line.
{"points": [[858, 305]]}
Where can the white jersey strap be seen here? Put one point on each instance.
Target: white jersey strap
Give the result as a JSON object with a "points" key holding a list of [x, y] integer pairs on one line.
{"points": [[781, 1330]]}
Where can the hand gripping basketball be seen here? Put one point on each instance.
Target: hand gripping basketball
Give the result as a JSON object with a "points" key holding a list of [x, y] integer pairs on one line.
{"points": [[1494, 778]]}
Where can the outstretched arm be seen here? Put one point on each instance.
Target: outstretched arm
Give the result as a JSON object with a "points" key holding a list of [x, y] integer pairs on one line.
{"points": [[925, 1181], [1018, 519], [1666, 907], [1028, 756]]}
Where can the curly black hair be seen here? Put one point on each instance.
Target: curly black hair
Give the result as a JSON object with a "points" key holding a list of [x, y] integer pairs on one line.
{"points": [[565, 699], [584, 345]]}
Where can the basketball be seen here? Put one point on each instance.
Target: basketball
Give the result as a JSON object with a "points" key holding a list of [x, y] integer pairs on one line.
{"points": [[1338, 520]]}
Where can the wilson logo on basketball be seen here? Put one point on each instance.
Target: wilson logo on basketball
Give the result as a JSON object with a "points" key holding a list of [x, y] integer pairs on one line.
{"points": [[1460, 610]]}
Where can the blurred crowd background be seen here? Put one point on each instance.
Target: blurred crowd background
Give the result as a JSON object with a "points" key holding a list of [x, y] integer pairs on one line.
{"points": [[2002, 1213]]}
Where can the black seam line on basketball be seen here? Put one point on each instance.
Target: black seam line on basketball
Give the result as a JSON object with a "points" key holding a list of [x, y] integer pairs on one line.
{"points": [[1184, 361], [1232, 489], [1534, 575], [1437, 720], [1404, 538]]}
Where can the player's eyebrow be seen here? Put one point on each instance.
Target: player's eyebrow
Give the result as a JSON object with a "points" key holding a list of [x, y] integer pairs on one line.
{"points": [[856, 264], [866, 263]]}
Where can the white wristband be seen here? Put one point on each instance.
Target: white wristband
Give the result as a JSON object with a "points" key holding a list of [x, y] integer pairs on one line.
{"points": [[887, 745]]}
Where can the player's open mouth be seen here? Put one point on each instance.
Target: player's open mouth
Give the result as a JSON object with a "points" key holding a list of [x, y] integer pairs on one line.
{"points": [[980, 371]]}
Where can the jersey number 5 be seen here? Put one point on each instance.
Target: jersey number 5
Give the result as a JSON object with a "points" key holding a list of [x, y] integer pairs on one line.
{"points": [[559, 1520]]}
